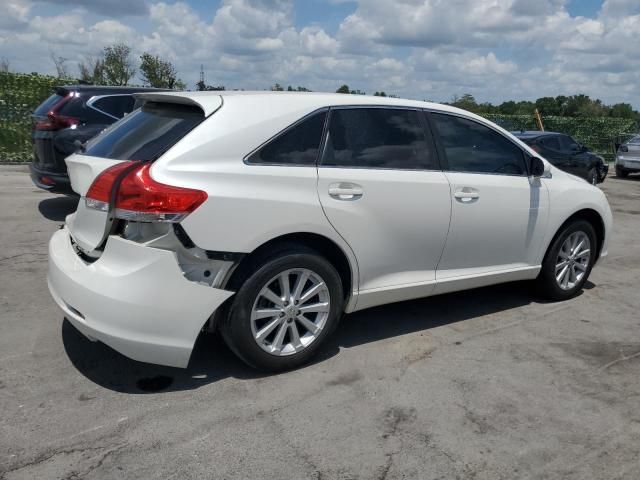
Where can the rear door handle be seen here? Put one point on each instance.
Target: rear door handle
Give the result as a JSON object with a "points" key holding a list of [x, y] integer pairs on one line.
{"points": [[345, 191], [467, 194]]}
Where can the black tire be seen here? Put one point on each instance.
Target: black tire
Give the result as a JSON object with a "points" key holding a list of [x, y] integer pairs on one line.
{"points": [[622, 173], [547, 282], [592, 176], [236, 327]]}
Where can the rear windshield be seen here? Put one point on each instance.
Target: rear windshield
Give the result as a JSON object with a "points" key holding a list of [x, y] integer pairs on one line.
{"points": [[146, 133], [45, 106]]}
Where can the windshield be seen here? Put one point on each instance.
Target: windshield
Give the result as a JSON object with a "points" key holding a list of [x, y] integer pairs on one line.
{"points": [[146, 133]]}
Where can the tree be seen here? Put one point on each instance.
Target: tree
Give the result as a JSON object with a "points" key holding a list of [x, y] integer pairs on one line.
{"points": [[158, 73], [622, 110], [380, 94], [343, 89], [466, 102], [4, 65], [277, 88], [60, 64], [201, 86], [118, 68], [548, 106], [92, 70]]}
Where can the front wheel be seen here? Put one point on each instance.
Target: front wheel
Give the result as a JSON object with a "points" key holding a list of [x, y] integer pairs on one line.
{"points": [[284, 311], [568, 261]]}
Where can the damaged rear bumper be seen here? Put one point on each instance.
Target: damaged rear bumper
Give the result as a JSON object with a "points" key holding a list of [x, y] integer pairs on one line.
{"points": [[134, 298]]}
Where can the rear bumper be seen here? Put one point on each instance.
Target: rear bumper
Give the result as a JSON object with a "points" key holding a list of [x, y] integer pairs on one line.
{"points": [[134, 299], [51, 181]]}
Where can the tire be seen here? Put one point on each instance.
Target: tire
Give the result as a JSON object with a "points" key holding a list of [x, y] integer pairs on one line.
{"points": [[240, 330], [621, 172], [548, 283], [592, 177]]}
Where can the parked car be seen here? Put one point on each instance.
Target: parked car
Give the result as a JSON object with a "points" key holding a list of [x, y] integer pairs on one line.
{"points": [[269, 215], [628, 157], [567, 154], [68, 118]]}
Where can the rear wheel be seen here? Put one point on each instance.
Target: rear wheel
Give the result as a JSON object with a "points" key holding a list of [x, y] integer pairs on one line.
{"points": [[284, 311], [592, 176], [622, 173], [569, 261]]}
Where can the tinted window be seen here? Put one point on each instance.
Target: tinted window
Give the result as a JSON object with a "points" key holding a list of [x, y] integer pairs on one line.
{"points": [[297, 145], [45, 106], [117, 105], [569, 144], [378, 138], [147, 133], [472, 147], [552, 143]]}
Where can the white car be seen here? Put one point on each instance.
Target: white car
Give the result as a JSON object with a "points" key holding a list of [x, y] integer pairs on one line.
{"points": [[270, 215]]}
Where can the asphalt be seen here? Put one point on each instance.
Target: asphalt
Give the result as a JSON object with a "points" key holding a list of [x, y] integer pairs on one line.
{"points": [[487, 384]]}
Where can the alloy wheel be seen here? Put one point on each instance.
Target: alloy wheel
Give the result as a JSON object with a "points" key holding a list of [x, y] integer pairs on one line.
{"points": [[573, 260], [290, 312]]}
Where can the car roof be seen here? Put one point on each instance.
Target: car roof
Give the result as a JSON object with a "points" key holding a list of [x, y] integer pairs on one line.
{"points": [[105, 90], [209, 101]]}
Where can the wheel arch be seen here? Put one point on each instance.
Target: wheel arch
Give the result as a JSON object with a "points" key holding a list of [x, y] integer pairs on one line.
{"points": [[319, 243], [590, 215]]}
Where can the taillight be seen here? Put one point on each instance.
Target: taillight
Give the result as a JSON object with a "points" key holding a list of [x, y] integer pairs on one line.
{"points": [[140, 198], [99, 193], [56, 122]]}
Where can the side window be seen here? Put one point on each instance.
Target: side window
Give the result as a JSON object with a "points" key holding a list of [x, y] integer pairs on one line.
{"points": [[472, 147], [117, 105], [379, 138], [569, 144], [552, 143], [297, 145]]}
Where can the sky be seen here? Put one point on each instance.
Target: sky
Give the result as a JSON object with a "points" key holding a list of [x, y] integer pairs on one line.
{"points": [[496, 50]]}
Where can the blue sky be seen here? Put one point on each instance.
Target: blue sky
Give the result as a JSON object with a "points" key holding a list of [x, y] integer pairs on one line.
{"points": [[425, 49]]}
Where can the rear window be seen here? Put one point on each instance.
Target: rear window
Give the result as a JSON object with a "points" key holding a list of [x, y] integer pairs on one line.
{"points": [[146, 133], [45, 106], [115, 105]]}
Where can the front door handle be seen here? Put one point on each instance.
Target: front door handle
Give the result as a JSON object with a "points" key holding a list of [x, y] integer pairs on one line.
{"points": [[467, 195], [345, 191]]}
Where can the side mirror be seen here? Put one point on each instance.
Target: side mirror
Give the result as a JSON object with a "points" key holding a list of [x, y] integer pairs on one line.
{"points": [[536, 167]]}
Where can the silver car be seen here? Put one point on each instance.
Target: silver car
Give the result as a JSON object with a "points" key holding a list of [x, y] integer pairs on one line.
{"points": [[628, 157]]}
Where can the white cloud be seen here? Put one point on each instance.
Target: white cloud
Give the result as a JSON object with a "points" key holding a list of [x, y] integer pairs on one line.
{"points": [[495, 49]]}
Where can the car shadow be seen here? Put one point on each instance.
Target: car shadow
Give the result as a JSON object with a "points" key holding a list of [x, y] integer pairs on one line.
{"points": [[212, 360], [58, 208]]}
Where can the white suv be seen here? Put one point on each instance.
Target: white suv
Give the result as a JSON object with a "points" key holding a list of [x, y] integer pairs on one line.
{"points": [[269, 215]]}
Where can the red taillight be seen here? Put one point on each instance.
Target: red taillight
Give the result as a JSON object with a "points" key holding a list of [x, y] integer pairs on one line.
{"points": [[56, 122], [140, 198]]}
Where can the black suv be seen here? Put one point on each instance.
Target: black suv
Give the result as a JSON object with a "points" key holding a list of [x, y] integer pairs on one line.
{"points": [[566, 154], [67, 119]]}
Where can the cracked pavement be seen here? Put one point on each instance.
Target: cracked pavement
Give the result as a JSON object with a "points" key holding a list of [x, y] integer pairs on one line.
{"points": [[487, 384]]}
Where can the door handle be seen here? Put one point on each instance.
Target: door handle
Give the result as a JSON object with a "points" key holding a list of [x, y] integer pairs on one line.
{"points": [[467, 194], [345, 191]]}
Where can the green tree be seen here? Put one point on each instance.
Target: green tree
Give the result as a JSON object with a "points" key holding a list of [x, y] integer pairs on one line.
{"points": [[343, 89], [622, 110], [380, 94], [466, 102], [277, 88], [158, 73], [117, 64], [92, 70], [548, 106]]}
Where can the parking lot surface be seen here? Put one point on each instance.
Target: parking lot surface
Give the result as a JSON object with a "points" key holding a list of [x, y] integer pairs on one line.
{"points": [[487, 384]]}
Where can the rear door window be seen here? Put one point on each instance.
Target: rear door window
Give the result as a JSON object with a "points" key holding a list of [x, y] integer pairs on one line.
{"points": [[297, 145], [472, 147], [389, 138], [147, 133], [115, 105]]}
